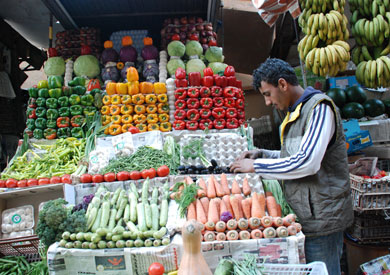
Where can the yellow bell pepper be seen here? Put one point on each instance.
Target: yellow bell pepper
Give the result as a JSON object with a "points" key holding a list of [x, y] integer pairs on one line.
{"points": [[132, 74], [152, 118], [160, 88], [146, 87], [163, 117], [151, 109], [115, 129], [142, 127], [126, 109], [163, 108], [121, 88], [125, 127], [133, 88], [117, 119], [111, 88], [126, 99], [115, 110], [106, 100], [105, 110], [127, 119], [153, 127], [165, 127], [150, 99], [139, 109], [115, 99], [138, 99], [106, 120], [137, 119], [162, 98]]}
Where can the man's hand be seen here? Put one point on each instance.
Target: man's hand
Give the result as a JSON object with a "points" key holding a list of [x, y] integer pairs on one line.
{"points": [[243, 166], [252, 154]]}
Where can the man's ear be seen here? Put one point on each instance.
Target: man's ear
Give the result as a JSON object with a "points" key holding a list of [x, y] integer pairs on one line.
{"points": [[283, 84]]}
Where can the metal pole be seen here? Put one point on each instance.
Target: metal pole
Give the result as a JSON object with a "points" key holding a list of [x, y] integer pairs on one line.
{"points": [[300, 61], [51, 31]]}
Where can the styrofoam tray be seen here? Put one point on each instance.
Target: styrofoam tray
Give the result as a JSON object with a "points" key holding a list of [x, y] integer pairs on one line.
{"points": [[17, 219]]}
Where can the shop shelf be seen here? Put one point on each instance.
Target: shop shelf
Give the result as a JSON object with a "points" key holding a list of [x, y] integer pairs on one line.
{"points": [[21, 192]]}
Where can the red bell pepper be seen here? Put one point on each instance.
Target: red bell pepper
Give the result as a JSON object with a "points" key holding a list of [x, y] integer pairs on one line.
{"points": [[180, 104], [193, 115], [229, 71], [181, 83], [220, 81], [239, 93], [175, 37], [207, 81], [205, 123], [241, 121], [180, 114], [218, 101], [85, 50], [219, 123], [205, 113], [180, 73], [218, 112], [193, 103], [229, 91], [194, 78], [180, 93], [205, 92], [52, 52], [194, 36], [232, 123], [208, 71], [239, 84], [212, 42], [193, 92], [216, 91], [240, 113], [229, 102], [231, 81], [63, 122], [179, 125], [231, 112], [206, 102], [192, 125], [240, 103], [31, 113]]}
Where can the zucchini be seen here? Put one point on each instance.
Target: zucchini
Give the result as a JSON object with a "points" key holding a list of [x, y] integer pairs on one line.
{"points": [[102, 232], [95, 238], [72, 237], [149, 234], [102, 244], [145, 191], [166, 241], [77, 244], [62, 243], [88, 236], [132, 227], [121, 195], [155, 217], [92, 217], [96, 224], [115, 196], [111, 223], [92, 246], [109, 236], [133, 207], [141, 217], [164, 212], [148, 215], [110, 244], [120, 222], [69, 245], [80, 236], [126, 215], [148, 242], [122, 205], [116, 238], [118, 230], [161, 233], [105, 214], [66, 235], [85, 245], [120, 244], [154, 196], [157, 242], [133, 189], [129, 243], [138, 243]]}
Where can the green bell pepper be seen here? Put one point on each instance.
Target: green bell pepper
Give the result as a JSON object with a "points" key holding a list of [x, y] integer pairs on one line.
{"points": [[89, 111], [42, 84], [87, 100], [80, 90], [67, 91], [40, 112], [76, 110], [51, 103], [63, 101], [44, 92], [64, 111], [41, 102], [77, 121], [98, 100], [55, 81], [52, 113], [78, 80], [33, 92], [38, 134], [51, 123], [96, 91], [77, 132], [63, 132], [55, 93], [74, 99], [50, 133], [30, 124], [40, 123]]}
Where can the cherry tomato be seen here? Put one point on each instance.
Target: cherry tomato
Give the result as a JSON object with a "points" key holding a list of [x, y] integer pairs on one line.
{"points": [[156, 269], [2, 183], [66, 179], [97, 178], [133, 130], [55, 180], [43, 181], [22, 183], [163, 171], [32, 182], [86, 178], [11, 183], [123, 176], [135, 175], [109, 177]]}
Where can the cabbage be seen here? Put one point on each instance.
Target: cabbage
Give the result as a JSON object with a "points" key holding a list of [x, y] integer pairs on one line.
{"points": [[176, 48], [109, 55], [86, 65], [149, 52], [217, 67], [54, 66], [128, 54], [193, 47], [214, 54], [195, 65], [173, 64]]}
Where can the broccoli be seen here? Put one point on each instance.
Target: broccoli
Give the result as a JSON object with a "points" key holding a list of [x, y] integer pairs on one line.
{"points": [[75, 222]]}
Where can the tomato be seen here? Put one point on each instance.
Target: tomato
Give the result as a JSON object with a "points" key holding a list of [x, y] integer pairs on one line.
{"points": [[163, 171], [2, 183], [32, 182], [22, 183], [147, 173], [109, 177], [43, 181], [86, 178], [135, 175], [11, 183], [153, 173], [156, 269], [66, 179], [97, 178], [133, 130], [123, 176], [55, 180]]}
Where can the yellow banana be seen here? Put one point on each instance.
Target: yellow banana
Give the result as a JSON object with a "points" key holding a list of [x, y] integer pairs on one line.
{"points": [[334, 53], [321, 21], [315, 41], [331, 22], [336, 21], [338, 15], [343, 44], [310, 21], [366, 54], [335, 5], [379, 68], [373, 70], [322, 58], [329, 56], [342, 53], [360, 71]]}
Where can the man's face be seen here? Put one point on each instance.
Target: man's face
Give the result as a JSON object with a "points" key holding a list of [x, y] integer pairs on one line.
{"points": [[274, 96]]}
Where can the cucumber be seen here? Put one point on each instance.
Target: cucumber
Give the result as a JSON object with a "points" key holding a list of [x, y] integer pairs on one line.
{"points": [[141, 217], [122, 206], [148, 215], [126, 235], [120, 222], [80, 236], [105, 214], [115, 196], [120, 244], [145, 191], [133, 207], [102, 232], [166, 241], [96, 224], [148, 242], [132, 227], [129, 243], [110, 244], [134, 190], [92, 246], [121, 195], [66, 235], [155, 217], [85, 245], [164, 212], [88, 236], [109, 236], [77, 244], [102, 244], [154, 196], [138, 243], [126, 215], [157, 242], [118, 230], [149, 234], [133, 235], [111, 223], [116, 238], [161, 233], [95, 238], [92, 217]]}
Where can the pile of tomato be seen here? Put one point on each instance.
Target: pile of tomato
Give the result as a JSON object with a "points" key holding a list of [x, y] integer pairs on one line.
{"points": [[13, 183], [380, 175]]}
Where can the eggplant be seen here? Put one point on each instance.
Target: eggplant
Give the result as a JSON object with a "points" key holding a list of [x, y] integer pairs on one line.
{"points": [[214, 163]]}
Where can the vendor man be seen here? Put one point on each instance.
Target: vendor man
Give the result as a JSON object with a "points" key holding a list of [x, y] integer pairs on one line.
{"points": [[312, 163]]}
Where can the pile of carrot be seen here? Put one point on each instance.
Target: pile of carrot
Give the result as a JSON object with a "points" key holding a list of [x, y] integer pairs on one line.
{"points": [[237, 212]]}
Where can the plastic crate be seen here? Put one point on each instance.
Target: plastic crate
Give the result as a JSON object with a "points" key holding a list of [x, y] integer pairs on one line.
{"points": [[370, 194], [314, 268], [24, 246], [383, 164], [136, 35]]}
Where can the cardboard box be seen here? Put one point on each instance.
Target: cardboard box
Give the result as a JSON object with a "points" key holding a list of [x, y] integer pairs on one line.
{"points": [[356, 139], [317, 82], [343, 82]]}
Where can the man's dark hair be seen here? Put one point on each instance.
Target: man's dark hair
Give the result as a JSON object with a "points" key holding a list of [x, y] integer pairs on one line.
{"points": [[271, 71]]}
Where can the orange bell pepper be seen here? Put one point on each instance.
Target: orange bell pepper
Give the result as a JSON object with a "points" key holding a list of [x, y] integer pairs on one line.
{"points": [[150, 99], [163, 117], [146, 87], [132, 74], [105, 110], [160, 88], [163, 108], [151, 109], [125, 127], [127, 119], [138, 99], [152, 118], [107, 131], [115, 110], [139, 109], [126, 109], [133, 88], [162, 98], [126, 99], [111, 88], [115, 99], [117, 119], [115, 129], [153, 127], [121, 88], [142, 127], [106, 100], [165, 127], [106, 120], [137, 119]]}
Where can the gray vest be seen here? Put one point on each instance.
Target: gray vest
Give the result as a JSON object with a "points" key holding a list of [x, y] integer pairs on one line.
{"points": [[322, 201]]}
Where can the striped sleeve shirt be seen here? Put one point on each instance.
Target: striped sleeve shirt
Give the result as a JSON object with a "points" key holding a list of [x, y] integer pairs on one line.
{"points": [[307, 160]]}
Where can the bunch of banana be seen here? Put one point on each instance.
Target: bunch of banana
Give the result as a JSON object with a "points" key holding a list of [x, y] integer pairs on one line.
{"points": [[306, 44], [328, 60], [369, 8], [318, 6], [374, 73], [362, 53], [371, 33]]}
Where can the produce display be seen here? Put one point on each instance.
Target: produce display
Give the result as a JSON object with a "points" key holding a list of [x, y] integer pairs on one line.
{"points": [[17, 222], [13, 264], [150, 54], [323, 49]]}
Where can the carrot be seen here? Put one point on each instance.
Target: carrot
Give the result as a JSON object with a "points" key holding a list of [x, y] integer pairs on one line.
{"points": [[261, 199], [211, 188], [266, 221], [281, 232], [292, 230], [221, 237], [210, 226], [257, 209], [240, 199], [220, 226], [269, 232], [254, 223], [246, 208], [209, 236], [236, 207], [218, 188], [191, 212], [272, 206], [173, 195], [298, 226], [244, 235], [231, 224], [235, 188], [269, 193], [205, 203], [246, 189], [189, 180], [225, 185], [256, 234], [213, 212], [279, 209], [222, 207], [277, 221], [289, 219], [232, 235], [292, 216], [202, 228], [218, 204], [200, 215], [202, 190], [226, 199], [243, 224]]}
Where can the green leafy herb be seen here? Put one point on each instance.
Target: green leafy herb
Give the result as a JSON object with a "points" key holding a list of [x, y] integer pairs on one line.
{"points": [[194, 149], [187, 196]]}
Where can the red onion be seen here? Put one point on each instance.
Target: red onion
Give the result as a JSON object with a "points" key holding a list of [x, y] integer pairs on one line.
{"points": [[199, 27], [199, 20], [191, 20], [203, 40], [183, 36]]}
